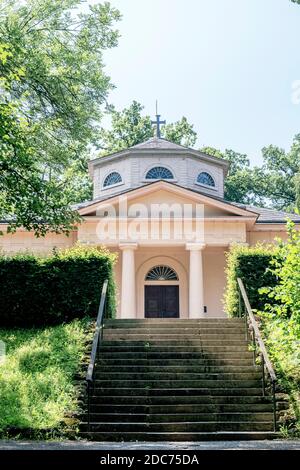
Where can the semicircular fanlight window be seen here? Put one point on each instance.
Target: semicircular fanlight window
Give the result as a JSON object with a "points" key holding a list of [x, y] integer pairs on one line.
{"points": [[159, 173], [205, 178], [112, 178], [161, 273]]}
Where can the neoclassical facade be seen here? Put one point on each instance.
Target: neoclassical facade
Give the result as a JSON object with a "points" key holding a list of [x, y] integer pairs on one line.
{"points": [[161, 208]]}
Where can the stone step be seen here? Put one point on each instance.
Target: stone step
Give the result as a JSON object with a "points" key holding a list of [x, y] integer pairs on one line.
{"points": [[178, 427], [137, 337], [151, 342], [182, 376], [201, 347], [182, 408], [178, 417], [175, 369], [174, 321], [109, 361], [182, 400], [180, 437], [172, 383], [186, 332], [213, 355], [192, 391]]}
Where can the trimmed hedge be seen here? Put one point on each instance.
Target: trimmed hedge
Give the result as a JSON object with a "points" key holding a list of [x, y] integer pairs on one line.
{"points": [[36, 291], [251, 265]]}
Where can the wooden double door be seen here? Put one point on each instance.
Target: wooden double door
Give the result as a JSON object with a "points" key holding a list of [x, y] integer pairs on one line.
{"points": [[162, 301]]}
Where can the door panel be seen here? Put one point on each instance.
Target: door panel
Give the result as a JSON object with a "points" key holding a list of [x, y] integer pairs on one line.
{"points": [[162, 301], [170, 302]]}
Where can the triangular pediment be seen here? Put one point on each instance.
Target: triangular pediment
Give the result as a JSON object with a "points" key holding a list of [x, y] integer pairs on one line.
{"points": [[163, 192]]}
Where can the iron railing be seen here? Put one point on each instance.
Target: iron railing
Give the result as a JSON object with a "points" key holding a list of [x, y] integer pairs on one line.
{"points": [[251, 326], [98, 336]]}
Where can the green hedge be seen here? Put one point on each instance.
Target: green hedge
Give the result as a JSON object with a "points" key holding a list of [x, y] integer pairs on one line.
{"points": [[251, 265], [36, 291]]}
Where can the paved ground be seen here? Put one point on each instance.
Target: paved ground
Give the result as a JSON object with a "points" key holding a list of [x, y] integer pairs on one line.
{"points": [[277, 444]]}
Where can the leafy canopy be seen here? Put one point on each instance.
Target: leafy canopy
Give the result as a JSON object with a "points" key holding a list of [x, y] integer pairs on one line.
{"points": [[53, 86], [130, 127], [274, 184]]}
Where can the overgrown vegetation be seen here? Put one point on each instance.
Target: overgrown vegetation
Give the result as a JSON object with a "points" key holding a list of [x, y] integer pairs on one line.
{"points": [[37, 291], [38, 391], [281, 320], [272, 280], [251, 265]]}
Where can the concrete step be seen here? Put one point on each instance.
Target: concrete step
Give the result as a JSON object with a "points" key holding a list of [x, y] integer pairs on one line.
{"points": [[150, 337], [182, 376], [133, 408], [201, 361], [178, 417], [180, 333], [178, 427], [215, 347], [172, 383], [169, 392], [182, 400], [162, 322], [180, 437], [175, 369], [207, 354]]}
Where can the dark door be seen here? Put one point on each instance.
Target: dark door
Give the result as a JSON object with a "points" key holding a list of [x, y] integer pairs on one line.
{"points": [[162, 301]]}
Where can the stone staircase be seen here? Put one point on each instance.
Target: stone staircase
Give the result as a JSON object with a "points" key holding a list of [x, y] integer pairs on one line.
{"points": [[177, 380]]}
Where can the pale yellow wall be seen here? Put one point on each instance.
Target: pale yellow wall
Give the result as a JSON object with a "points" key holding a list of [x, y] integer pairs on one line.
{"points": [[26, 241], [265, 236], [178, 259], [214, 263]]}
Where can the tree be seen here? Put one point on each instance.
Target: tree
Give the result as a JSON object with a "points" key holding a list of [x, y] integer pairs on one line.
{"points": [[53, 88], [275, 184], [279, 175], [242, 182], [129, 127]]}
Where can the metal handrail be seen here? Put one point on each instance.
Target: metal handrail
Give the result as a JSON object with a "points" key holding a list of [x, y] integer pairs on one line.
{"points": [[257, 339], [96, 346]]}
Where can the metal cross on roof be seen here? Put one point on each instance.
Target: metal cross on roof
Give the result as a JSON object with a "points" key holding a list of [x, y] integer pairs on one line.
{"points": [[158, 122]]}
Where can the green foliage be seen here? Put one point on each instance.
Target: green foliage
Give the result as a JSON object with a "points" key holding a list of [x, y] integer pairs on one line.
{"points": [[180, 132], [297, 185], [285, 295], [272, 281], [53, 86], [252, 265], [37, 386], [281, 319], [44, 291], [279, 174], [274, 184], [129, 127]]}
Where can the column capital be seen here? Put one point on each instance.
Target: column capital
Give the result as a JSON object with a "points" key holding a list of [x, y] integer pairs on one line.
{"points": [[195, 246], [128, 246]]}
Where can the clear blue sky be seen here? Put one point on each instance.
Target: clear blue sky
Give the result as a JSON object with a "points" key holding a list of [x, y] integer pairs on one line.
{"points": [[227, 65]]}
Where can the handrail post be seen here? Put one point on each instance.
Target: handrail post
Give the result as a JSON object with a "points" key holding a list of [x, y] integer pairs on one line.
{"points": [[274, 405], [240, 304], [254, 346], [263, 375], [246, 324], [89, 405]]}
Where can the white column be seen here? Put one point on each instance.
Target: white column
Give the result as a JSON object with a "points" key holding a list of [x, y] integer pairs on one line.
{"points": [[196, 299], [128, 296]]}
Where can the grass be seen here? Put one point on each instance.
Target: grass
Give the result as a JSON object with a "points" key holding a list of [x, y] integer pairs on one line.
{"points": [[37, 386]]}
